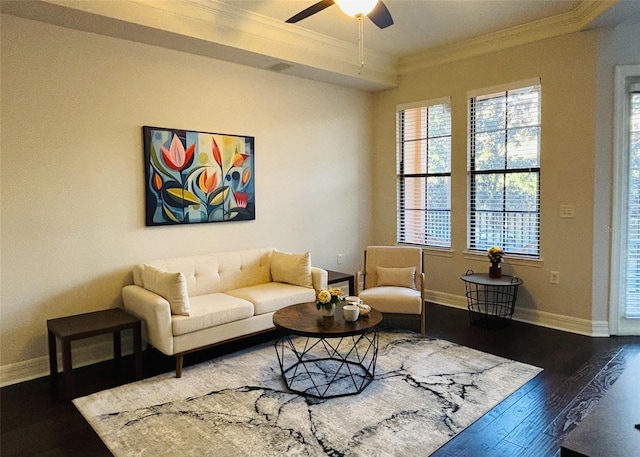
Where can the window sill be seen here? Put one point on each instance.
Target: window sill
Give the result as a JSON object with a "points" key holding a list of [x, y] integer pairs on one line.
{"points": [[509, 260], [431, 250], [438, 252]]}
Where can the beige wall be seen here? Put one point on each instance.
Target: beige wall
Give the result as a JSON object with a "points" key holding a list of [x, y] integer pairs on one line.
{"points": [[72, 203], [566, 66], [72, 213]]}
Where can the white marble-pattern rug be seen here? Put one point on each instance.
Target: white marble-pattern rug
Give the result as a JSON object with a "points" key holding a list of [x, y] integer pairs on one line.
{"points": [[425, 391]]}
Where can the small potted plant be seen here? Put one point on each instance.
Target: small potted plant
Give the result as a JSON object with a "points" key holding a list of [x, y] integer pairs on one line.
{"points": [[495, 255], [327, 300]]}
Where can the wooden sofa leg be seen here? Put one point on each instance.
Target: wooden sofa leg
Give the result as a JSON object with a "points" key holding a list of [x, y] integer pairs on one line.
{"points": [[179, 361]]}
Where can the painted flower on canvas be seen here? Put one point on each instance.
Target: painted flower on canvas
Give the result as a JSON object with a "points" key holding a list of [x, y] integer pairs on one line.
{"points": [[194, 177]]}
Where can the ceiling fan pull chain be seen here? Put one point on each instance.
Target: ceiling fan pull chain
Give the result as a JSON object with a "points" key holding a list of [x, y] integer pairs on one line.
{"points": [[361, 43]]}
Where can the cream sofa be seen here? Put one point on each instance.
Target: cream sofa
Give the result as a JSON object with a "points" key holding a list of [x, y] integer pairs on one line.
{"points": [[190, 303]]}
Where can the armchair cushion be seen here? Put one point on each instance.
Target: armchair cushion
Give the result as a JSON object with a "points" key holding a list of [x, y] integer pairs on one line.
{"points": [[399, 300], [292, 269], [398, 277], [171, 286], [391, 257]]}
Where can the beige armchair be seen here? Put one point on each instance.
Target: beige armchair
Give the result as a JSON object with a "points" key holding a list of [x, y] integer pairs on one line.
{"points": [[393, 280]]}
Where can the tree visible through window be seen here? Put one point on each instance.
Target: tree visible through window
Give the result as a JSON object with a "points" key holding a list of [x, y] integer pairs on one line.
{"points": [[504, 170], [424, 173]]}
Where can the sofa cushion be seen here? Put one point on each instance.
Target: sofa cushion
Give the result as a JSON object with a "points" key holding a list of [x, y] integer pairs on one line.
{"points": [[211, 310], [212, 273], [292, 269], [398, 277], [272, 296], [172, 286]]}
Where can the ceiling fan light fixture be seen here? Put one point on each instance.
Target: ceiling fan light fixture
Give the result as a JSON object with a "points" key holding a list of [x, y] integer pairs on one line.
{"points": [[356, 8]]}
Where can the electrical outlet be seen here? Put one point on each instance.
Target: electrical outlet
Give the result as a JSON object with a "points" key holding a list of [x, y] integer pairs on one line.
{"points": [[554, 278], [339, 259]]}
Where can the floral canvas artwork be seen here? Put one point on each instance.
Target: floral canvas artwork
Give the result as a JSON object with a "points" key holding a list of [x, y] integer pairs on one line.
{"points": [[193, 177]]}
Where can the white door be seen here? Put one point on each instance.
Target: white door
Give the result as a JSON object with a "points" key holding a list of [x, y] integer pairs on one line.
{"points": [[625, 298]]}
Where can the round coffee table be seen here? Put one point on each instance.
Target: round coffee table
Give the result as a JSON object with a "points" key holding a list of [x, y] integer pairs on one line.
{"points": [[326, 357]]}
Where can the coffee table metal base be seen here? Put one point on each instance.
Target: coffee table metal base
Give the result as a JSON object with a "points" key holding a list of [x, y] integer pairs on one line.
{"points": [[328, 367]]}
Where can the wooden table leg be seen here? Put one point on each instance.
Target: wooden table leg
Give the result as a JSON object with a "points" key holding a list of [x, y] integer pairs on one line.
{"points": [[137, 349], [352, 286], [117, 352], [71, 328], [53, 360], [117, 346], [67, 367]]}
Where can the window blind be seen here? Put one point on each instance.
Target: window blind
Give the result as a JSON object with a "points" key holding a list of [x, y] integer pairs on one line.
{"points": [[632, 302], [423, 152], [504, 170]]}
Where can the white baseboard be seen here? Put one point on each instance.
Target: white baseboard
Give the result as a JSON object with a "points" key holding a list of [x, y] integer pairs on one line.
{"points": [[81, 355], [99, 352], [530, 316], [441, 298]]}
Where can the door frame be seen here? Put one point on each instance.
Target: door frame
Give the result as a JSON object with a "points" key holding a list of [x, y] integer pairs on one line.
{"points": [[617, 324]]}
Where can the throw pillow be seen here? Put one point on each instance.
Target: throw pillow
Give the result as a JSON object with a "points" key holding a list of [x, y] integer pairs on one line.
{"points": [[291, 268], [171, 286], [398, 277]]}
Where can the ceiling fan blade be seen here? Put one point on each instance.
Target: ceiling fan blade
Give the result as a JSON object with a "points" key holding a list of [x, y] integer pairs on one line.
{"points": [[381, 16], [313, 9]]}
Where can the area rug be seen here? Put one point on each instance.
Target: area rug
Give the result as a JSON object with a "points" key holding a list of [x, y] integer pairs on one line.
{"points": [[424, 392]]}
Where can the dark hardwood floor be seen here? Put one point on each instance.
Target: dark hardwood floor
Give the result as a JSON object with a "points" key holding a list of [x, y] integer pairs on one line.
{"points": [[36, 421]]}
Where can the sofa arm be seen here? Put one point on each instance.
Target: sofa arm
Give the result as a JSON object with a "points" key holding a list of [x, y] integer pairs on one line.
{"points": [[319, 278], [155, 313]]}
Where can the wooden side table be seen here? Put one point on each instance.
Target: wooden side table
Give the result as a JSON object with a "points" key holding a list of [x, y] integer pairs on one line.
{"points": [[335, 277], [86, 325]]}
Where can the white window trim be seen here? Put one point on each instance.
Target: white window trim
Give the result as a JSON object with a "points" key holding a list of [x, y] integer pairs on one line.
{"points": [[442, 252], [423, 103], [504, 87], [509, 259]]}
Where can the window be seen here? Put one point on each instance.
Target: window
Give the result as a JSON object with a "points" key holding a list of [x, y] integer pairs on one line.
{"points": [[423, 150], [504, 169]]}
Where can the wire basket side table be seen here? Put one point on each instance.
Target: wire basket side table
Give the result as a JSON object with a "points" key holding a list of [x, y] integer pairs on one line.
{"points": [[491, 301]]}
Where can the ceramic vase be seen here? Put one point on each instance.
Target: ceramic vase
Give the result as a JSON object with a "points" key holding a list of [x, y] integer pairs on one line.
{"points": [[495, 270], [328, 312]]}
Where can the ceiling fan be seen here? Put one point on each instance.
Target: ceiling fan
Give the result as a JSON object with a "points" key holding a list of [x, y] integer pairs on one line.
{"points": [[373, 9]]}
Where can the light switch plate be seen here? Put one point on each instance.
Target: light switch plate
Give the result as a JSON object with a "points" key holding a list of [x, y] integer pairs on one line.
{"points": [[567, 211]]}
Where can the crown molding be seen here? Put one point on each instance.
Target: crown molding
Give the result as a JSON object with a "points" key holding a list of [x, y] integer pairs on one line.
{"points": [[218, 30], [588, 11], [573, 21], [310, 54], [267, 36]]}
